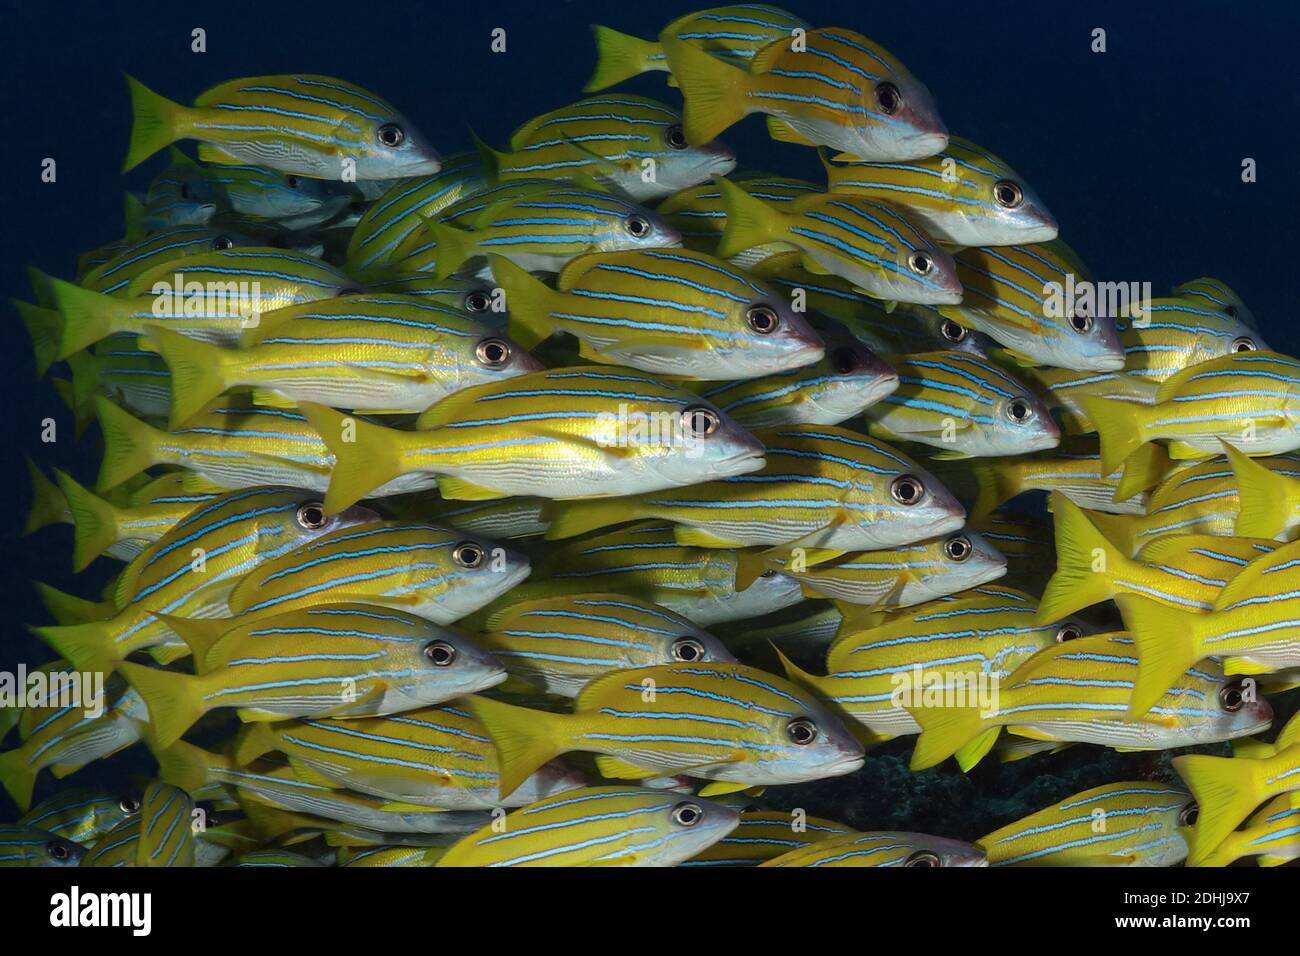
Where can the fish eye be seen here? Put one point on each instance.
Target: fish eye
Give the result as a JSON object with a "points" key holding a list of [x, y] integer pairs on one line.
{"points": [[675, 136], [769, 573], [292, 181], [920, 263], [311, 516], [888, 98], [923, 858], [952, 331], [440, 653], [222, 242], [1232, 696], [958, 548], [688, 650], [478, 301], [1189, 814], [907, 489], [1080, 323], [802, 731], [129, 805], [700, 422], [390, 135], [638, 227], [1019, 411], [1008, 194], [493, 353], [58, 851], [763, 319], [844, 361], [1244, 343], [1068, 632], [468, 554], [687, 814]]}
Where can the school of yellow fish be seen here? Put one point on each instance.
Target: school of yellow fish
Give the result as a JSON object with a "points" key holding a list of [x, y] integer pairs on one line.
{"points": [[558, 502]]}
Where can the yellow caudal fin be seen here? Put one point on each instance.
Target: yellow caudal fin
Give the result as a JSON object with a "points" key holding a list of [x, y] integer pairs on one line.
{"points": [[96, 521], [568, 519], [750, 221], [365, 455], [68, 608], [129, 444], [455, 247], [944, 731], [527, 302], [199, 634], [1266, 500], [713, 90], [798, 675], [976, 750], [1227, 790], [1120, 530], [997, 484], [1168, 643], [619, 57], [45, 327], [525, 739], [155, 125], [173, 699], [1142, 470], [48, 504], [88, 646], [88, 316], [17, 777], [1120, 426], [184, 765], [1086, 564], [252, 741], [200, 371]]}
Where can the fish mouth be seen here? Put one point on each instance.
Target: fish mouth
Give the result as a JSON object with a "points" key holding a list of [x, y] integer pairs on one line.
{"points": [[844, 765]]}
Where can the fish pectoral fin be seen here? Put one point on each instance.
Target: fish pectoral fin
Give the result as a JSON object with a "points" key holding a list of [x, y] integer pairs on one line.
{"points": [[1031, 733], [458, 489], [397, 806], [719, 787], [812, 265], [348, 706], [698, 538], [622, 770], [949, 456], [783, 132], [1243, 665]]}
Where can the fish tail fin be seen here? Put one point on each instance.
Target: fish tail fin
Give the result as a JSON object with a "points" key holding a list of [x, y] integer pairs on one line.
{"points": [[713, 90], [18, 777], [568, 519], [527, 302], [750, 221], [944, 732], [972, 752], [1226, 789], [525, 739], [798, 675], [129, 445], [88, 646], [365, 455], [156, 119], [1142, 470], [1168, 643], [1119, 530], [1086, 562], [996, 483], [96, 526], [87, 316], [455, 247], [48, 503], [1266, 499], [200, 371], [750, 564], [174, 706], [45, 326], [199, 634], [182, 764], [66, 608], [619, 57], [491, 158], [1120, 426], [252, 741]]}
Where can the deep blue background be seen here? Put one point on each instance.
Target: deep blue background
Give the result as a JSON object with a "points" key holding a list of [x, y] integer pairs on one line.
{"points": [[1137, 151]]}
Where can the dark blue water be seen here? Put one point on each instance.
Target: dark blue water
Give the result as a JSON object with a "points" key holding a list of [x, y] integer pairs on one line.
{"points": [[1137, 151]]}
